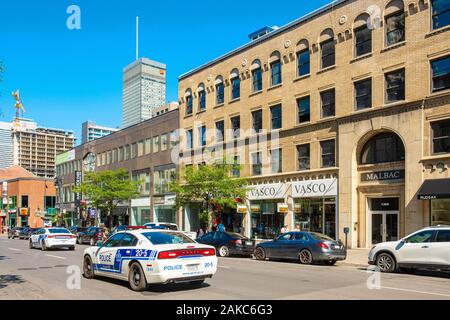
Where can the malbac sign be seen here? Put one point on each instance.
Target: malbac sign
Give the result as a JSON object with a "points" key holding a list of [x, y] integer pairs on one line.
{"points": [[383, 175]]}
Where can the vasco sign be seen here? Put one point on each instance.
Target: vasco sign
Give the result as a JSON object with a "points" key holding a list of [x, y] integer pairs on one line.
{"points": [[314, 188], [267, 191]]}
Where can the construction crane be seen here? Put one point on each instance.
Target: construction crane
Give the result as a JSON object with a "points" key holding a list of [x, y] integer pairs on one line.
{"points": [[19, 107]]}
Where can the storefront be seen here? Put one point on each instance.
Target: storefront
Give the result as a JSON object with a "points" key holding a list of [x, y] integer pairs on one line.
{"points": [[232, 219], [164, 209], [315, 205], [192, 213], [437, 192], [140, 211]]}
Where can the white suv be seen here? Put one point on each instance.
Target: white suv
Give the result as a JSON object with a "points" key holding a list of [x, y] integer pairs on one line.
{"points": [[426, 248]]}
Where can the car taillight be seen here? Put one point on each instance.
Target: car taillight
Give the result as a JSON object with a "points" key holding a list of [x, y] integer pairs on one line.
{"points": [[237, 241], [173, 254], [323, 245], [51, 236], [73, 236]]}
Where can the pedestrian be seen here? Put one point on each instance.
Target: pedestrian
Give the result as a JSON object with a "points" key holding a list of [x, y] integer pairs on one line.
{"points": [[221, 227], [297, 227], [200, 232], [284, 229]]}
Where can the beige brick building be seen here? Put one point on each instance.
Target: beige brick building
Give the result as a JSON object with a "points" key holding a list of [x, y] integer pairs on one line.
{"points": [[356, 97]]}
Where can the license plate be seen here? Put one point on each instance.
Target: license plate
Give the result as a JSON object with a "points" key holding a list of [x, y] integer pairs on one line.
{"points": [[249, 243], [193, 267]]}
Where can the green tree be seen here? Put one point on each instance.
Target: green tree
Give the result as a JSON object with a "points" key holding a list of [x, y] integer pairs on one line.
{"points": [[106, 189], [212, 185]]}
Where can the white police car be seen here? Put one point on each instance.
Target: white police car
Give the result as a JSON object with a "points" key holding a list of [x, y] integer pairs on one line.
{"points": [[50, 238], [147, 256]]}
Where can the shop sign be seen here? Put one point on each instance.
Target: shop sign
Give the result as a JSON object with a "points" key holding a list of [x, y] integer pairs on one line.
{"points": [[65, 157], [314, 188], [23, 211], [255, 208], [282, 208], [242, 209], [383, 175], [267, 191]]}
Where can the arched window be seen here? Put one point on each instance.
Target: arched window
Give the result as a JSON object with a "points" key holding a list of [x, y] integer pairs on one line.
{"points": [[188, 96], [201, 97], [384, 147], [220, 91], [275, 68], [394, 17], [327, 48], [303, 58], [235, 84], [363, 35], [257, 76]]}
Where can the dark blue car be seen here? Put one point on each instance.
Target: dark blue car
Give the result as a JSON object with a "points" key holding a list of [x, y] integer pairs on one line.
{"points": [[302, 246], [228, 243]]}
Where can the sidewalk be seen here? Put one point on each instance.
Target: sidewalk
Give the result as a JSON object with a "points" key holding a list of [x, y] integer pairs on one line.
{"points": [[357, 257]]}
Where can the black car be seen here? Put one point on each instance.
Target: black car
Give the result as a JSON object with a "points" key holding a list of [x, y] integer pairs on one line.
{"points": [[304, 247], [26, 232], [228, 243], [14, 232], [91, 235], [76, 230]]}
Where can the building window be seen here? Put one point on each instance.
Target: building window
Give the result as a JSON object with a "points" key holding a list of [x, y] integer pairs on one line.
{"points": [[127, 152], [24, 201], [141, 150], [257, 79], [162, 180], [236, 172], [202, 100], [276, 120], [395, 86], [156, 144], [276, 161], [202, 136], [50, 202], [303, 155], [441, 136], [148, 146], [133, 151], [235, 87], [189, 105], [395, 28], [164, 142], [257, 163], [275, 69], [363, 41], [440, 215], [384, 147], [363, 94], [441, 13], [327, 99], [189, 141], [328, 53], [441, 74], [220, 93], [304, 109], [303, 63], [236, 127], [220, 131], [328, 153], [173, 139], [257, 121], [144, 181]]}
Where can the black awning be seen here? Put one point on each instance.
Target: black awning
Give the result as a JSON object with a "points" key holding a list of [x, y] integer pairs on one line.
{"points": [[434, 189]]}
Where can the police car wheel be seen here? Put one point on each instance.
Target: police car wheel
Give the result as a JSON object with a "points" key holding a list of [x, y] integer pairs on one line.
{"points": [[88, 270], [43, 246], [224, 251], [136, 278]]}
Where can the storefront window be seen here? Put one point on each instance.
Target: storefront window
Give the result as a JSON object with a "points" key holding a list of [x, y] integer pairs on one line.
{"points": [[440, 212], [232, 220], [165, 213], [140, 216], [316, 215], [266, 221]]}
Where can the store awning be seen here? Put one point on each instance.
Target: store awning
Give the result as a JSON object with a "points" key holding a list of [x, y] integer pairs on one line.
{"points": [[434, 189]]}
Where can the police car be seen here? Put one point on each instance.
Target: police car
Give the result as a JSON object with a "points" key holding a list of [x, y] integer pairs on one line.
{"points": [[50, 238], [148, 256]]}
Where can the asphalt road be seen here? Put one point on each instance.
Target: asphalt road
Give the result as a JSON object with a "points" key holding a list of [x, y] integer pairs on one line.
{"points": [[35, 274]]}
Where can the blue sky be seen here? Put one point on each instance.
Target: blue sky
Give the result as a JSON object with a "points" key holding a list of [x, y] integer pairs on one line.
{"points": [[69, 76]]}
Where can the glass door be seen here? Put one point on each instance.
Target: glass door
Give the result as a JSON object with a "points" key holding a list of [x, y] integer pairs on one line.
{"points": [[377, 228], [384, 227]]}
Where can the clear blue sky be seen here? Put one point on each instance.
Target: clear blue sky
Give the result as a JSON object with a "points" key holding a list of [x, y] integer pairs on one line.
{"points": [[66, 77]]}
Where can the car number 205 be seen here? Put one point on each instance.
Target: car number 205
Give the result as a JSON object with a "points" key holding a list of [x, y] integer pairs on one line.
{"points": [[209, 264]]}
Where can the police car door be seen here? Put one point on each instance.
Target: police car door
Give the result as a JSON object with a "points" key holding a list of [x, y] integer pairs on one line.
{"points": [[36, 236], [106, 256]]}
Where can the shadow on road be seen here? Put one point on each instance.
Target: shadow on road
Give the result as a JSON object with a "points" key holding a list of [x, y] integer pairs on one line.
{"points": [[8, 279], [4, 257], [421, 272]]}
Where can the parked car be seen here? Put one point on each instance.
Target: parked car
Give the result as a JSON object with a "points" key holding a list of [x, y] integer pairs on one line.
{"points": [[14, 232], [26, 232], [428, 248], [76, 230], [91, 235], [169, 226], [305, 247], [228, 243]]}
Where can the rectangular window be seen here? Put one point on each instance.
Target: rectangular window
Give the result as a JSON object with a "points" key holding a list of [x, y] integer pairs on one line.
{"points": [[24, 201], [115, 155], [127, 152], [257, 121], [49, 201], [109, 157], [173, 139], [304, 109], [257, 80], [441, 136], [395, 28], [156, 144], [148, 146], [328, 153], [202, 100], [395, 86], [220, 131], [363, 41], [275, 68], [236, 88], [236, 127], [121, 154], [220, 93], [202, 136], [441, 74], [328, 103], [440, 13], [256, 163], [276, 117], [328, 53], [164, 142], [236, 172], [303, 155], [189, 141], [189, 105], [133, 150], [303, 58], [363, 94], [141, 150], [276, 161]]}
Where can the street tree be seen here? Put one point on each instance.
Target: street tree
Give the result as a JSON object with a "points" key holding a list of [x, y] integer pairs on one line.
{"points": [[213, 186], [106, 189]]}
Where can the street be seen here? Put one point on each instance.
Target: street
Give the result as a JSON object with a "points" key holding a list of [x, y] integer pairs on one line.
{"points": [[35, 274]]}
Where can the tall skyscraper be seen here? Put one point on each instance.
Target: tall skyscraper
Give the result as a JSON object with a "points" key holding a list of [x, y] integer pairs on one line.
{"points": [[91, 131], [144, 89], [6, 145]]}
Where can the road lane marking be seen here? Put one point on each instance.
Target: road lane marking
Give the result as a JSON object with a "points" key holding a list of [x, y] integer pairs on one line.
{"points": [[417, 291], [225, 267], [58, 257], [14, 249]]}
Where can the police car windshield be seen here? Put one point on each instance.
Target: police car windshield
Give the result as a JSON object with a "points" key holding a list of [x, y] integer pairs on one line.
{"points": [[157, 238], [61, 230]]}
